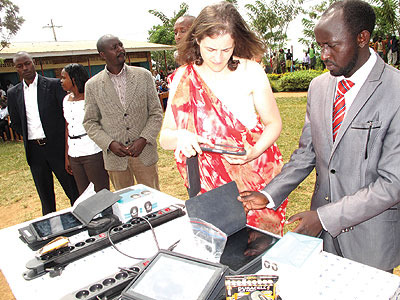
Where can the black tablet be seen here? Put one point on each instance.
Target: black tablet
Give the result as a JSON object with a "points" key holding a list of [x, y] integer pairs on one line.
{"points": [[50, 227]]}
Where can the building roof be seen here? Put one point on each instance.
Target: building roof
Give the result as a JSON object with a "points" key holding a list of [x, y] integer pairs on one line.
{"points": [[48, 49]]}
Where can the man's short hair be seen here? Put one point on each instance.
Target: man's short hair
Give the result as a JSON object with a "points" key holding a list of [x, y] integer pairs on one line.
{"points": [[21, 53], [101, 40], [358, 15]]}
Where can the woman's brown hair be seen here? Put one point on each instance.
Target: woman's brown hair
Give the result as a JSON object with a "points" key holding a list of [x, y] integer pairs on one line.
{"points": [[215, 20]]}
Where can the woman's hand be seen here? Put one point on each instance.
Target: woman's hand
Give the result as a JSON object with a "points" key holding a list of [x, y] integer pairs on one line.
{"points": [[241, 159], [188, 143]]}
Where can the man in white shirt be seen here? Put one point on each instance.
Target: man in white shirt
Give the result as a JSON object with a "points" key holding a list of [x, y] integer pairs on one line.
{"points": [[355, 207], [35, 107]]}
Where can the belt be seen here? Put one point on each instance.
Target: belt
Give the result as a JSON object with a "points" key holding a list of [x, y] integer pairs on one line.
{"points": [[40, 142], [77, 136]]}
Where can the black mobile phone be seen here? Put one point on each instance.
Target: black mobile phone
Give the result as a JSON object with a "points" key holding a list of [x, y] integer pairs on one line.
{"points": [[224, 149]]}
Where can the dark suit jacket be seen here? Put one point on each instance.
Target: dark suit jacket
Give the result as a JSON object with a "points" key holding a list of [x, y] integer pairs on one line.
{"points": [[50, 97]]}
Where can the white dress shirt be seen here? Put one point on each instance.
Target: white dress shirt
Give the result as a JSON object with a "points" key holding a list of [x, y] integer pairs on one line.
{"points": [[35, 128]]}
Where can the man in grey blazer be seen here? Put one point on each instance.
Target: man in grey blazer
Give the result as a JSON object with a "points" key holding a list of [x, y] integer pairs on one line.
{"points": [[355, 204], [123, 116]]}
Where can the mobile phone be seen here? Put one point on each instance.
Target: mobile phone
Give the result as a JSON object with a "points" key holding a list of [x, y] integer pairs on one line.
{"points": [[224, 149]]}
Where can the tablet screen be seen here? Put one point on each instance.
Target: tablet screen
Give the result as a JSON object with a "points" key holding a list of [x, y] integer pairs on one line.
{"points": [[56, 225], [244, 246]]}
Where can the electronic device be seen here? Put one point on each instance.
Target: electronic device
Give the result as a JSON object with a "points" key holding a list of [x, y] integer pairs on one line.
{"points": [[38, 233], [171, 276], [59, 258], [109, 287], [41, 231], [245, 245], [224, 149], [244, 250]]}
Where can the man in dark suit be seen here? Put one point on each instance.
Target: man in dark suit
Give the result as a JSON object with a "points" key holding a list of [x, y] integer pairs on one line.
{"points": [[355, 150], [35, 107]]}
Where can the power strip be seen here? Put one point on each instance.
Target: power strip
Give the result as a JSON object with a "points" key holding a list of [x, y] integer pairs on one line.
{"points": [[61, 257]]}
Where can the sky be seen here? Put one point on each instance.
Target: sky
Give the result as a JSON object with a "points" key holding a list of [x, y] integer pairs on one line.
{"points": [[127, 19]]}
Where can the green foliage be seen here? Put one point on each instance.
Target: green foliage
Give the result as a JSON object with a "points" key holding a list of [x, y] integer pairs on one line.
{"points": [[271, 20], [293, 81], [387, 17], [164, 34], [10, 21]]}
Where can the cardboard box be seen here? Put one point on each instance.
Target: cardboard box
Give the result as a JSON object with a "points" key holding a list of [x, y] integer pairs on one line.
{"points": [[293, 255], [241, 285]]}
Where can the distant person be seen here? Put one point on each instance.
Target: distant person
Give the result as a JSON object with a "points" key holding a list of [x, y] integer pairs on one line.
{"points": [[306, 61], [220, 95], [274, 63], [123, 117], [36, 112], [379, 47], [313, 59], [282, 60], [4, 129], [351, 138], [83, 158], [289, 61], [393, 47]]}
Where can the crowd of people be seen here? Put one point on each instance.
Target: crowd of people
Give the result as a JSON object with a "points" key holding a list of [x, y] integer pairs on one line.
{"points": [[88, 130]]}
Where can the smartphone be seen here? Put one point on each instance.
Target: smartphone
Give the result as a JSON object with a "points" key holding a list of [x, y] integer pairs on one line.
{"points": [[224, 149]]}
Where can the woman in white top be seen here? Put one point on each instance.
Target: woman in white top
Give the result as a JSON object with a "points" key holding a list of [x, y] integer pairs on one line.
{"points": [[221, 96], [83, 158]]}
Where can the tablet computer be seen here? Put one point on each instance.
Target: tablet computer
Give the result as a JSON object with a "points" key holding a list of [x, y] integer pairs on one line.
{"points": [[51, 227]]}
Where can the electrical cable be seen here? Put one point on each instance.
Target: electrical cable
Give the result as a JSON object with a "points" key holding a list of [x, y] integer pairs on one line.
{"points": [[116, 248]]}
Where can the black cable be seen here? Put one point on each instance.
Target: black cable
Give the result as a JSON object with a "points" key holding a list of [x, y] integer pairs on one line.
{"points": [[116, 248]]}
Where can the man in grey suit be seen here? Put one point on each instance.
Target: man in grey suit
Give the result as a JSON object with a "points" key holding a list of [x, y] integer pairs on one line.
{"points": [[355, 205], [123, 116]]}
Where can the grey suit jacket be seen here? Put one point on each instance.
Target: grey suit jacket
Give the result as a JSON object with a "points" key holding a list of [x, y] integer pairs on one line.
{"points": [[106, 120], [357, 189]]}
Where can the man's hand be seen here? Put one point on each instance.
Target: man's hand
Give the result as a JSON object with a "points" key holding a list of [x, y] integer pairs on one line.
{"points": [[253, 200], [137, 147], [310, 223], [118, 149]]}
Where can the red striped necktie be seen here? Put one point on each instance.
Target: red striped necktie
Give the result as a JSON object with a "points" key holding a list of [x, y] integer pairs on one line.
{"points": [[339, 105]]}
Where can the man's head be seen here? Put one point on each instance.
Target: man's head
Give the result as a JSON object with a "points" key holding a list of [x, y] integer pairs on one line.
{"points": [[111, 50], [181, 26], [343, 33], [25, 66]]}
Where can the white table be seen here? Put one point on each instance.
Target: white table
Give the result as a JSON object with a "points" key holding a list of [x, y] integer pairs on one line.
{"points": [[338, 278]]}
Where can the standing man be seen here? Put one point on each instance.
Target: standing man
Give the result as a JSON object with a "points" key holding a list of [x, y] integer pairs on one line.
{"points": [[123, 117], [355, 150], [313, 59], [393, 46], [289, 61], [36, 112]]}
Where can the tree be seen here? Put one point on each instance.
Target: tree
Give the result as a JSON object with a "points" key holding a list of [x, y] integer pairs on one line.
{"points": [[387, 17], [10, 21], [271, 20], [314, 13], [164, 34]]}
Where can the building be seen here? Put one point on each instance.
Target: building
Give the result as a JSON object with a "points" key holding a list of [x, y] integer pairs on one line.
{"points": [[51, 57]]}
